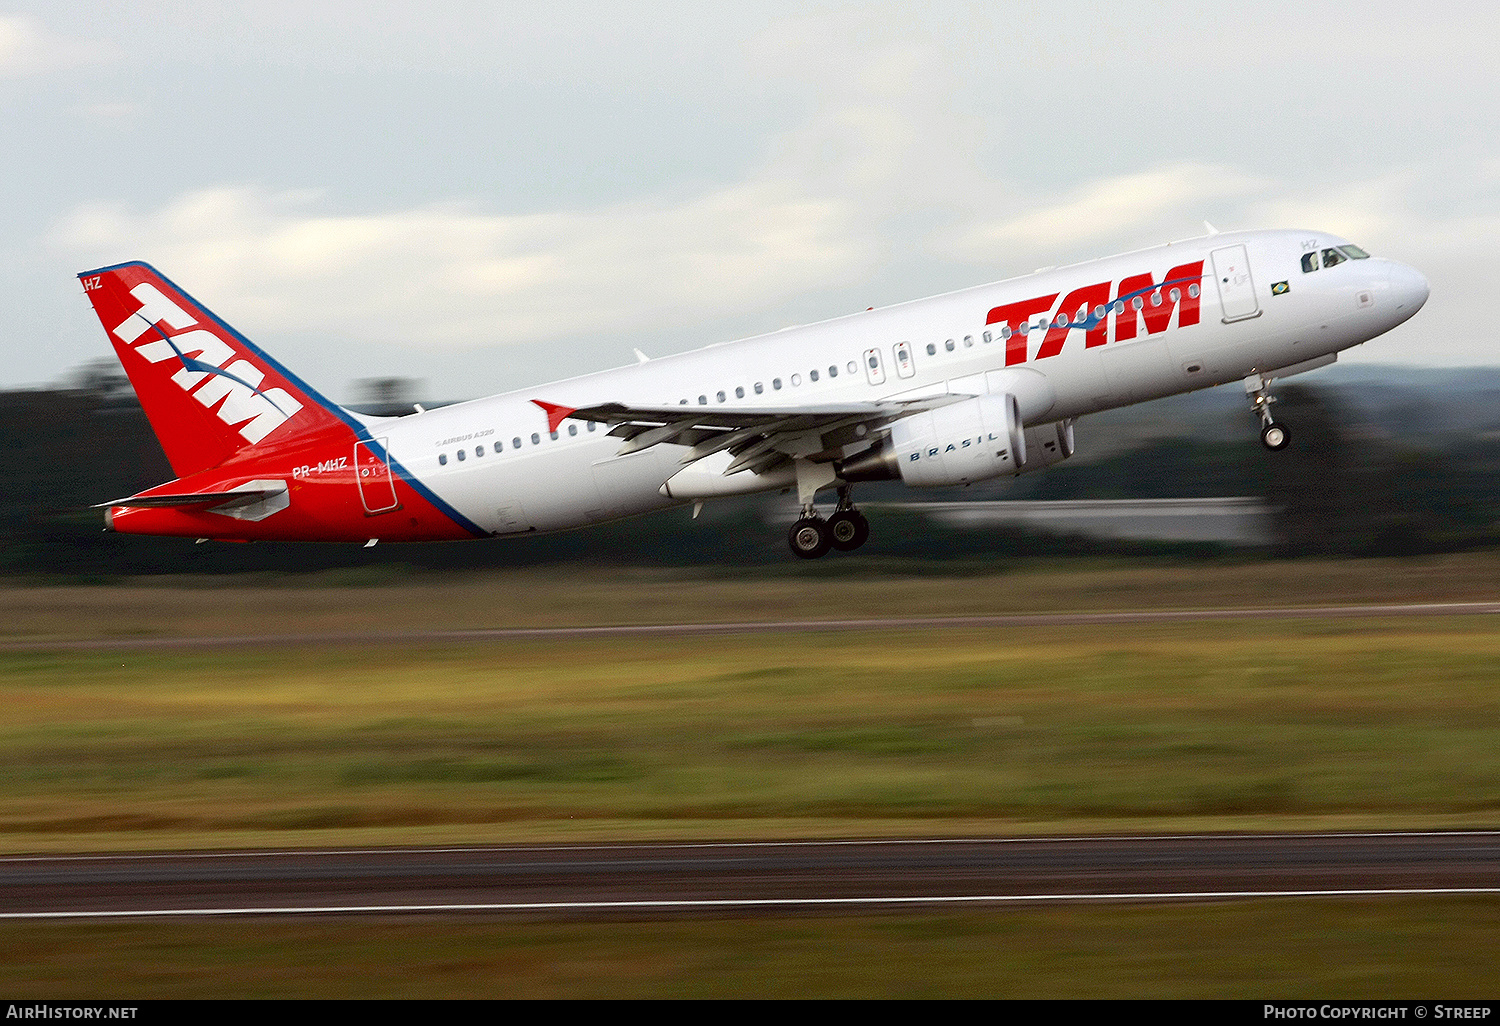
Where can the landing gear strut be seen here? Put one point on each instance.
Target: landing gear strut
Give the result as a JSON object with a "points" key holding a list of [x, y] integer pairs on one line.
{"points": [[846, 530], [1273, 436]]}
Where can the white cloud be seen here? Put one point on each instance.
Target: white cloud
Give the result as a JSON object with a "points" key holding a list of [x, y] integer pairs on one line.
{"points": [[449, 275], [27, 47], [1108, 211]]}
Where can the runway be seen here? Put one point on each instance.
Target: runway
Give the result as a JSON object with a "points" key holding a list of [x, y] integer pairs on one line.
{"points": [[1146, 616], [736, 879]]}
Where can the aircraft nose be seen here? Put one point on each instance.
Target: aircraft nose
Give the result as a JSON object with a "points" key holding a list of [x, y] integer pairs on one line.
{"points": [[1408, 287]]}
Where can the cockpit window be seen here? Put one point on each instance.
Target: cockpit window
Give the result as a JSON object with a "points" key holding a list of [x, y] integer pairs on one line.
{"points": [[1309, 262], [1354, 252], [1332, 257]]}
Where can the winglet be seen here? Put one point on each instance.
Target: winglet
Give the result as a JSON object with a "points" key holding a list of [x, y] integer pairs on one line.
{"points": [[555, 414]]}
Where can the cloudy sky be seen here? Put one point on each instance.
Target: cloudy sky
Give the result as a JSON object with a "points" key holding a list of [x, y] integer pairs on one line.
{"points": [[486, 195]]}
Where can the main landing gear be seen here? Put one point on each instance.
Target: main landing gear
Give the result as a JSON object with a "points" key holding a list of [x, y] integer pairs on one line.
{"points": [[1273, 436], [846, 529]]}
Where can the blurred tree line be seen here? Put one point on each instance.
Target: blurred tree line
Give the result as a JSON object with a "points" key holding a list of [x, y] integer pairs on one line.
{"points": [[1340, 489]]}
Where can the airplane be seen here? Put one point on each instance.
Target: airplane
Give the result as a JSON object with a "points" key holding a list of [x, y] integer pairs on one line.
{"points": [[976, 384]]}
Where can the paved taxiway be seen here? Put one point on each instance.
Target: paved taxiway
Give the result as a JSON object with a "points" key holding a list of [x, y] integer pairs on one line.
{"points": [[1143, 616], [743, 878]]}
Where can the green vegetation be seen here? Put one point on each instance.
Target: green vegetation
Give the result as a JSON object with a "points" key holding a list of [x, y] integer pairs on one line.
{"points": [[1201, 725], [1388, 949]]}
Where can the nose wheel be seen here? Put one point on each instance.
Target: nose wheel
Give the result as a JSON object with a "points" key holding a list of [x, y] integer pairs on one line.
{"points": [[1273, 436]]}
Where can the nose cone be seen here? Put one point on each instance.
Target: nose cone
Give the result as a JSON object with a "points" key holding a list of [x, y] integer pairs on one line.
{"points": [[1408, 289]]}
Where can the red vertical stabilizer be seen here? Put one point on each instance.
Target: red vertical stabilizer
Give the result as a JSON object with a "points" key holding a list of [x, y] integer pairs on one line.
{"points": [[207, 390]]}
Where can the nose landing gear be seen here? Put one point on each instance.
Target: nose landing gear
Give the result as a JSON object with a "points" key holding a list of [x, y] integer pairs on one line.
{"points": [[1273, 436]]}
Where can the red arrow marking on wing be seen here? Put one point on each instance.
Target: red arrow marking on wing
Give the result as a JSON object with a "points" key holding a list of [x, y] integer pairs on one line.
{"points": [[555, 414]]}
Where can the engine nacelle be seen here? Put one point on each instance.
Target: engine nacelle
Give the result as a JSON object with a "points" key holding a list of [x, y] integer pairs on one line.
{"points": [[973, 440], [1047, 444]]}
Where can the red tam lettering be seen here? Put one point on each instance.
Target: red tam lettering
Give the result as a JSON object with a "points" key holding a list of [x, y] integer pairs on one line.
{"points": [[1013, 315], [1076, 308], [1157, 301]]}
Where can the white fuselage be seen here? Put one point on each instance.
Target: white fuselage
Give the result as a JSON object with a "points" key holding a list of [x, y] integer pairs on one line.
{"points": [[495, 461]]}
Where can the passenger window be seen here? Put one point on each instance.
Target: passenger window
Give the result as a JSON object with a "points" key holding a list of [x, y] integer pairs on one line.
{"points": [[739, 391], [1309, 262], [1138, 303], [460, 455], [813, 374], [592, 425], [572, 430], [776, 384], [720, 396], [536, 439], [796, 380], [442, 459], [968, 341], [552, 435], [478, 450], [853, 367], [931, 349], [1332, 257], [1156, 298], [703, 400], [759, 388], [988, 338], [948, 345], [1099, 312], [1004, 331], [833, 370], [1174, 295], [515, 443], [1194, 290]]}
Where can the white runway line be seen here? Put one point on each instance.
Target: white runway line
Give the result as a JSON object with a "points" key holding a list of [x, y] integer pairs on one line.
{"points": [[708, 903]]}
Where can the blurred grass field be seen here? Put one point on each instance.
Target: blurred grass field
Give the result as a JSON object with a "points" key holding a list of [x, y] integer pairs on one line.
{"points": [[389, 598], [1274, 724]]}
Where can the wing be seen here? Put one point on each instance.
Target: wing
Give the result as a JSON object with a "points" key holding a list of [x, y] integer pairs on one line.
{"points": [[758, 437]]}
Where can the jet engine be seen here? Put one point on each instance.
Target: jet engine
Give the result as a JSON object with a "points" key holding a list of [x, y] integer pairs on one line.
{"points": [[969, 441], [973, 440]]}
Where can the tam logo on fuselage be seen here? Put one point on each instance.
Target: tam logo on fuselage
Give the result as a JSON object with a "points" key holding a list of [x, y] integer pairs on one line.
{"points": [[1087, 309], [231, 391]]}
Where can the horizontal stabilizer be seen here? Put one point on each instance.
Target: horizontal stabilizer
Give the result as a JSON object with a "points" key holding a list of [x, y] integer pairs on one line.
{"points": [[222, 499]]}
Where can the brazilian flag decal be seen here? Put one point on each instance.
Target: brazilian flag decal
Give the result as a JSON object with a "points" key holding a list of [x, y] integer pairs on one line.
{"points": [[1281, 288]]}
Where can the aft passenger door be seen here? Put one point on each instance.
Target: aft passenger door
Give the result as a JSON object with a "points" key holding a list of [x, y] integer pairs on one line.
{"points": [[373, 475]]}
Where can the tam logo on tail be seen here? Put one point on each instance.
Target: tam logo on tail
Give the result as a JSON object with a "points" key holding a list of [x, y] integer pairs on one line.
{"points": [[231, 390], [207, 390]]}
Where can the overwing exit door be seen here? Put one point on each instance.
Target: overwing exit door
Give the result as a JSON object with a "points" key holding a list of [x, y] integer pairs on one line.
{"points": [[1236, 286]]}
